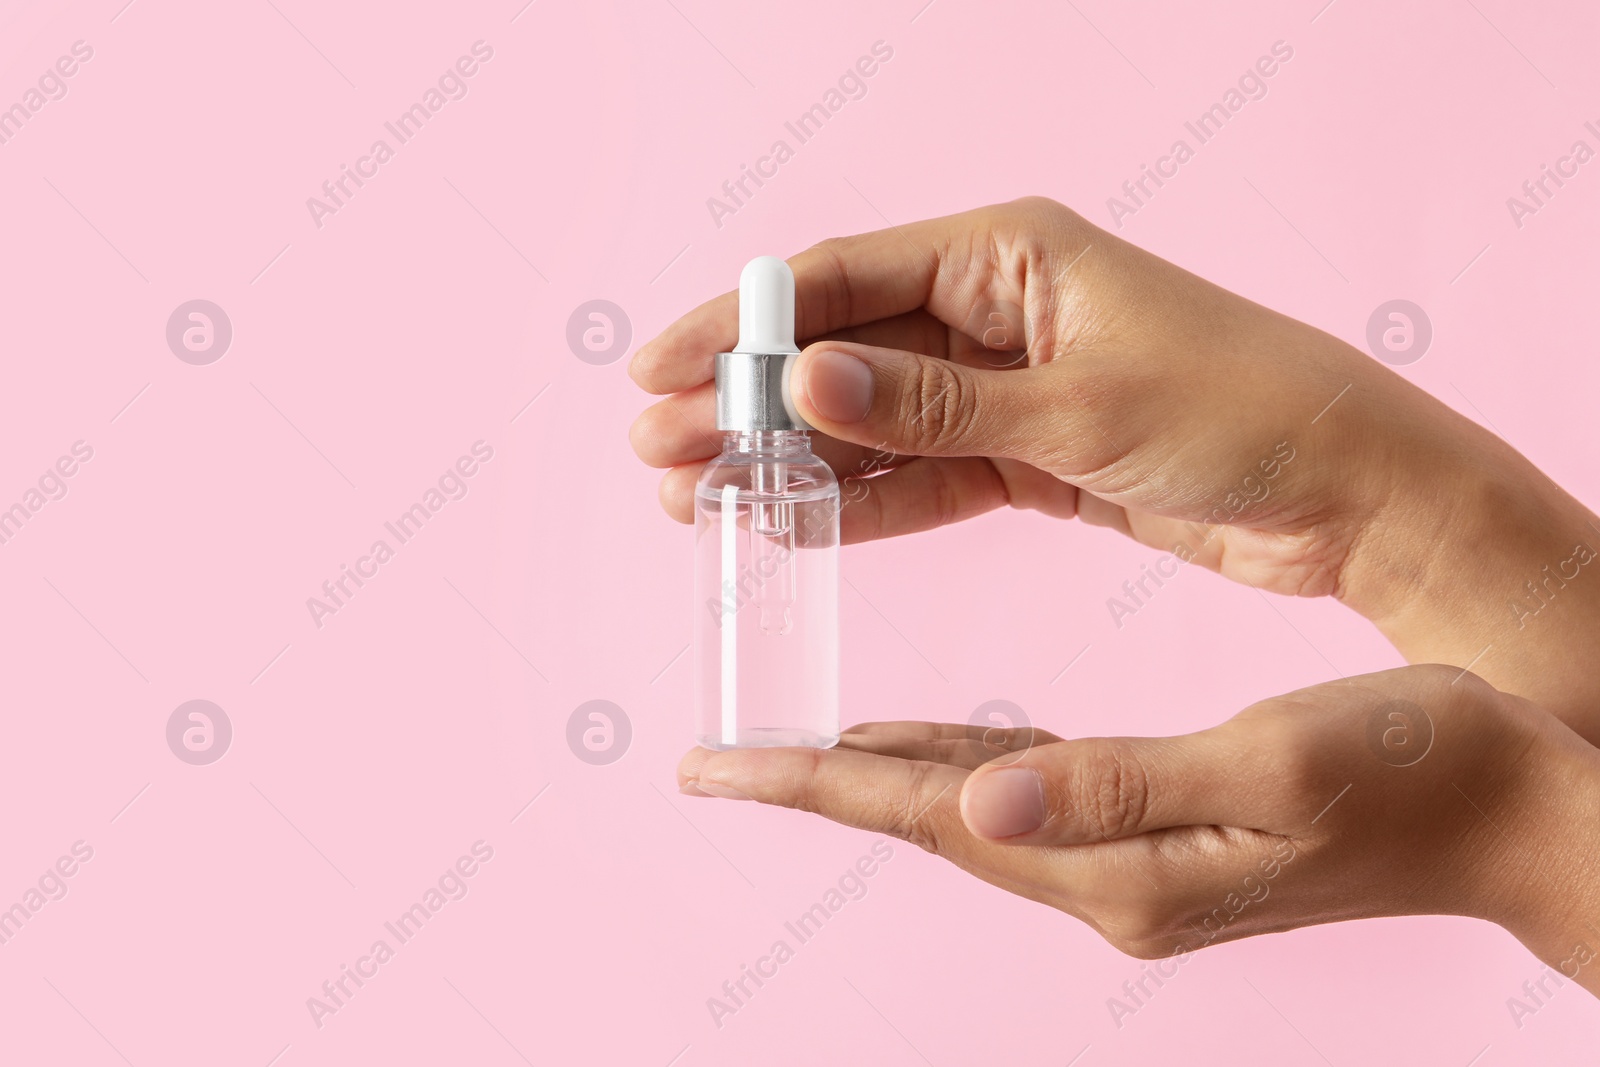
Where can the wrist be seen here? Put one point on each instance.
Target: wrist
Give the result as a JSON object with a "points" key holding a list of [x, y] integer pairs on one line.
{"points": [[1546, 892], [1480, 560]]}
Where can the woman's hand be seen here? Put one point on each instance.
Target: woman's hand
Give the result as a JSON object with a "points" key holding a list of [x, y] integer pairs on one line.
{"points": [[1414, 791], [1019, 355]]}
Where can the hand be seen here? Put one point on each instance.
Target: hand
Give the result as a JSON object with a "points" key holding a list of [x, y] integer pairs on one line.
{"points": [[1414, 791], [1019, 355]]}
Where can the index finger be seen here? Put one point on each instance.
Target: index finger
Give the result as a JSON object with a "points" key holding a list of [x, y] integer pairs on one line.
{"points": [[947, 265], [915, 801], [1157, 879], [957, 744], [839, 283], [911, 800]]}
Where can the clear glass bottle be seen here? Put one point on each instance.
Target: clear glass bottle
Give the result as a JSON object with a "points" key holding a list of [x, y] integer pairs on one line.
{"points": [[767, 595], [766, 628]]}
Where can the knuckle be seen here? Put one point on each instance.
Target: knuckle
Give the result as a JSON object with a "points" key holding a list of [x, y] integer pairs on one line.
{"points": [[1110, 794], [1445, 693], [1152, 943], [1302, 771], [1461, 705], [1040, 214], [1005, 738], [833, 252], [1140, 923], [1456, 686], [809, 799], [939, 407], [1043, 207], [1436, 681], [1150, 949], [1298, 765], [914, 822], [945, 498]]}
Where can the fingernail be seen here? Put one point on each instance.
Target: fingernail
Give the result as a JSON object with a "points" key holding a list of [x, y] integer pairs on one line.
{"points": [[1004, 803], [690, 789], [839, 386], [726, 792]]}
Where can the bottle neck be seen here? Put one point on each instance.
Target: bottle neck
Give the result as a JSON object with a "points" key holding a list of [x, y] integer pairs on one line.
{"points": [[767, 442]]}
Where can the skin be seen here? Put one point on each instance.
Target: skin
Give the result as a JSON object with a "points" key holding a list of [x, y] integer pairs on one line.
{"points": [[1019, 356], [1315, 824], [1128, 393]]}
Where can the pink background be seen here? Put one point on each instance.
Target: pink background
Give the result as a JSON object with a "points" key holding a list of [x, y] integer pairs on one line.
{"points": [[368, 354]]}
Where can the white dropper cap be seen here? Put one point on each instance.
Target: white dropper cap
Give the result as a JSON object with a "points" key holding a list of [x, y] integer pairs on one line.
{"points": [[753, 379], [766, 307]]}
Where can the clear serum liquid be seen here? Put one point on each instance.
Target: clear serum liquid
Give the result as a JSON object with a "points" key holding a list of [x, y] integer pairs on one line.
{"points": [[767, 587]]}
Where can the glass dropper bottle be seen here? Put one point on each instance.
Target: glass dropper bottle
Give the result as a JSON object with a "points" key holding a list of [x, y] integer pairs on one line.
{"points": [[766, 545]]}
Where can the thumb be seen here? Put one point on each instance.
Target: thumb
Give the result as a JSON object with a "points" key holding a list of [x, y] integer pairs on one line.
{"points": [[919, 405], [1100, 789]]}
